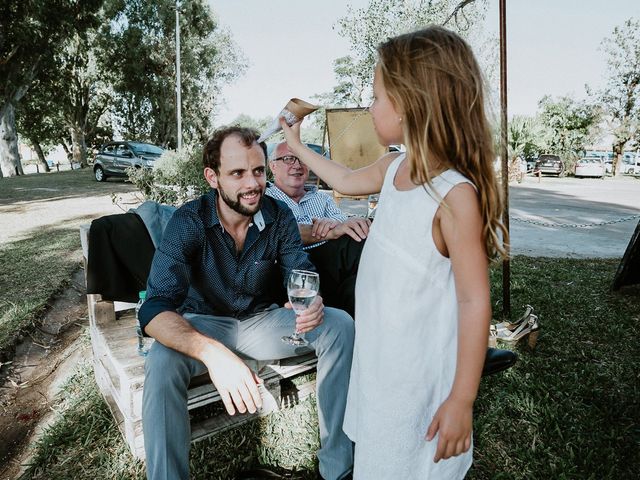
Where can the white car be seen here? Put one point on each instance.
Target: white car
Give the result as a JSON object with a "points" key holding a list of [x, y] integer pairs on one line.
{"points": [[590, 167], [630, 166]]}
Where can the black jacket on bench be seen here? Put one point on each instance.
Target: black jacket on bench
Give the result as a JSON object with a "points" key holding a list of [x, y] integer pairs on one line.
{"points": [[120, 256]]}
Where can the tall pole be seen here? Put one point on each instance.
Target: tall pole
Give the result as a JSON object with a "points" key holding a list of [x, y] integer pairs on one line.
{"points": [[178, 79], [506, 266]]}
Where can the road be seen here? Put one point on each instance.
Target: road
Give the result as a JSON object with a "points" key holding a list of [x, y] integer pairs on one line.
{"points": [[559, 203]]}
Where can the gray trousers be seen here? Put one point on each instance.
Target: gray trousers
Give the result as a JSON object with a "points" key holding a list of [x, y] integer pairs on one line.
{"points": [[165, 418]]}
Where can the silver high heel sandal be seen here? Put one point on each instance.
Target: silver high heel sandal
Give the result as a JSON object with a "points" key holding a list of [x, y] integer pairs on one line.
{"points": [[529, 329], [528, 310]]}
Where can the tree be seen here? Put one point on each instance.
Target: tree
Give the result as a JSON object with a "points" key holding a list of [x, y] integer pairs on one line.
{"points": [[247, 121], [620, 98], [39, 120], [365, 28], [309, 134], [32, 32], [142, 59], [82, 96], [524, 135], [569, 126]]}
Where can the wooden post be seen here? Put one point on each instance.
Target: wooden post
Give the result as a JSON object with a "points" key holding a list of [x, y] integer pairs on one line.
{"points": [[506, 266]]}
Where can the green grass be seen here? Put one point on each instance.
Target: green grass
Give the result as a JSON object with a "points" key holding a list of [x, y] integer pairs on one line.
{"points": [[39, 264], [33, 270], [84, 442], [54, 185], [568, 410]]}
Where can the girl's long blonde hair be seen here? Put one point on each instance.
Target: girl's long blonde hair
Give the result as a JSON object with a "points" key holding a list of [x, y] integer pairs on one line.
{"points": [[435, 83]]}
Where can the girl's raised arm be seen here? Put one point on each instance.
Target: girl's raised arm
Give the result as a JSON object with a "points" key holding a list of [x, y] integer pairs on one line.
{"points": [[346, 181]]}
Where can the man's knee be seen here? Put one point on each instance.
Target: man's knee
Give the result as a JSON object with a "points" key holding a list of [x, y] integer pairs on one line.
{"points": [[166, 368], [339, 323]]}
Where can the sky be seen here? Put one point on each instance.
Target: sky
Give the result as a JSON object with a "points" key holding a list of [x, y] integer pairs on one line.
{"points": [[290, 45]]}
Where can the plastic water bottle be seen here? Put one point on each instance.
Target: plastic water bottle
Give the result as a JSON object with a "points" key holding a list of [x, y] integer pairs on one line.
{"points": [[144, 343]]}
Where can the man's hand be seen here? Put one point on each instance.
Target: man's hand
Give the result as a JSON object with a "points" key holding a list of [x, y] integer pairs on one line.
{"points": [[311, 317], [236, 383], [322, 226], [452, 422], [356, 227]]}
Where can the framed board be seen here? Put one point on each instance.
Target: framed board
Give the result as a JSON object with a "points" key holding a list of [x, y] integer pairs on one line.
{"points": [[352, 138]]}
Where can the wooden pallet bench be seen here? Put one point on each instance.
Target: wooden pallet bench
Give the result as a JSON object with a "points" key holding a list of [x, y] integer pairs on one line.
{"points": [[119, 373]]}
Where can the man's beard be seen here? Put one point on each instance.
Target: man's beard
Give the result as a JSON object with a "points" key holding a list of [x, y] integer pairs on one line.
{"points": [[236, 206]]}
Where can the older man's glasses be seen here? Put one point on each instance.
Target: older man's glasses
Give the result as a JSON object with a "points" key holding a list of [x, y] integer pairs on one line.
{"points": [[288, 159]]}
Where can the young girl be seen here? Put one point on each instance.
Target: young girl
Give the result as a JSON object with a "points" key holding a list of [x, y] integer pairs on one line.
{"points": [[422, 293]]}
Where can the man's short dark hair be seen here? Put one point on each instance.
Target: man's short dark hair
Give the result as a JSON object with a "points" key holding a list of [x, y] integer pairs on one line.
{"points": [[211, 152]]}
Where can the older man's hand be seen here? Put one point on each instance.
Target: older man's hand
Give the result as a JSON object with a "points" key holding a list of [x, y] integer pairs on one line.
{"points": [[322, 226], [329, 229], [356, 227]]}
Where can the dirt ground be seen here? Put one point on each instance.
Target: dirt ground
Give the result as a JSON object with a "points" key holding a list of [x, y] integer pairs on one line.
{"points": [[46, 356], [43, 359]]}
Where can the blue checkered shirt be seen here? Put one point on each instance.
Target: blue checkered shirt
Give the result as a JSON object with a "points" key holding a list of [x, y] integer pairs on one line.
{"points": [[313, 204], [197, 269]]}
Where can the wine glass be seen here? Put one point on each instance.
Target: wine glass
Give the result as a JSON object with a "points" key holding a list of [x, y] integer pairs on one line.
{"points": [[302, 289]]}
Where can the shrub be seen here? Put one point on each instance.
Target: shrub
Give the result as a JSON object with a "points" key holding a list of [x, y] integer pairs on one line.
{"points": [[176, 177]]}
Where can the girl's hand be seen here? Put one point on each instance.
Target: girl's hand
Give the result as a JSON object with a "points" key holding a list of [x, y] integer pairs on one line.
{"points": [[453, 423], [291, 134]]}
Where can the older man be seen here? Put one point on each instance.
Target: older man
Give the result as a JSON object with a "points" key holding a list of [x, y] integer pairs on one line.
{"points": [[333, 241], [210, 302]]}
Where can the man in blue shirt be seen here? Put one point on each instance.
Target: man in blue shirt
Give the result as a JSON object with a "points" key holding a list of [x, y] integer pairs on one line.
{"points": [[210, 299], [333, 241]]}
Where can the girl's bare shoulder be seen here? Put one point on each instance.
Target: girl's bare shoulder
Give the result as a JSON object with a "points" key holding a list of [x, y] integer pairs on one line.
{"points": [[385, 160]]}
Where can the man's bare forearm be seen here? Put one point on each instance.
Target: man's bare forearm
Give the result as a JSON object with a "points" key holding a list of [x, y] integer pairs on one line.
{"points": [[173, 331], [235, 382]]}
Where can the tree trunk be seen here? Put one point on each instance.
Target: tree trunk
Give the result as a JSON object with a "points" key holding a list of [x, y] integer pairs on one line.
{"points": [[79, 147], [65, 147], [618, 150], [41, 160], [9, 153]]}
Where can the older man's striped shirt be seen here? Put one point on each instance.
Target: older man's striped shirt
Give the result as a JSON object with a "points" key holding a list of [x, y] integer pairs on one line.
{"points": [[314, 204]]}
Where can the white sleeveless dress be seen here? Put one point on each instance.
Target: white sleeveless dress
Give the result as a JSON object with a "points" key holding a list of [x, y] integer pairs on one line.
{"points": [[406, 339]]}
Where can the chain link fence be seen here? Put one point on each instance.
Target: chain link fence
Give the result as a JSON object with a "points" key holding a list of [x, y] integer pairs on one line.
{"points": [[574, 225]]}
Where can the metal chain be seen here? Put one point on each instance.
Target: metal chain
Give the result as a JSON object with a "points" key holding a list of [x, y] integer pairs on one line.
{"points": [[574, 225]]}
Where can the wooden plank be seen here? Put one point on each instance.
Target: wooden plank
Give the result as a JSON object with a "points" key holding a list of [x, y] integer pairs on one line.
{"points": [[212, 426], [101, 312]]}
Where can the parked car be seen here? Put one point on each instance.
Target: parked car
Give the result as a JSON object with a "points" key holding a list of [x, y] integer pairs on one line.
{"points": [[608, 166], [114, 158], [531, 164], [549, 165], [590, 167], [631, 166], [628, 166]]}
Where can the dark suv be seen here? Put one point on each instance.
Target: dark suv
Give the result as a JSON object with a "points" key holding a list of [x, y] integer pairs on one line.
{"points": [[114, 158], [549, 165]]}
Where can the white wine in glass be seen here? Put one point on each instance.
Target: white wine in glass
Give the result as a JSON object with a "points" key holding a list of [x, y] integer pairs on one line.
{"points": [[302, 289]]}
